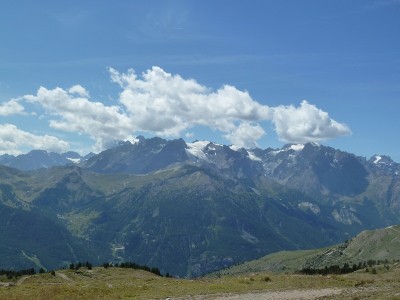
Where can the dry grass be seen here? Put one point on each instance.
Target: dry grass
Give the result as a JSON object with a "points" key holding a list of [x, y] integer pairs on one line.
{"points": [[115, 283]]}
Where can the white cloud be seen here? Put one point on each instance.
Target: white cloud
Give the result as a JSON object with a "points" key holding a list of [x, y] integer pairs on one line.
{"points": [[79, 90], [189, 135], [75, 113], [11, 107], [306, 123], [168, 105], [246, 135], [13, 139]]}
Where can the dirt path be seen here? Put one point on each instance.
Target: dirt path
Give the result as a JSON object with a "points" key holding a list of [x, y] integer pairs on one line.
{"points": [[5, 284], [284, 295], [274, 295], [18, 282], [65, 277], [21, 280]]}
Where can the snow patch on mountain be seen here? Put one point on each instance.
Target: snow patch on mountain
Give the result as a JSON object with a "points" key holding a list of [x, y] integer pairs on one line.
{"points": [[234, 147], [295, 147], [135, 141], [310, 206], [74, 160], [378, 158], [196, 149], [252, 156], [275, 152]]}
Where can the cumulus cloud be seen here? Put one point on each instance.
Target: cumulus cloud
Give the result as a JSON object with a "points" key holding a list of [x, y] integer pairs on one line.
{"points": [[306, 123], [246, 135], [12, 139], [11, 107], [79, 90], [76, 113], [189, 135], [168, 105]]}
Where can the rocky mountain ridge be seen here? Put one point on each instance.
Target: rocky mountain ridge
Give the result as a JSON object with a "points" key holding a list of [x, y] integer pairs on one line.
{"points": [[192, 208], [41, 159], [158, 153]]}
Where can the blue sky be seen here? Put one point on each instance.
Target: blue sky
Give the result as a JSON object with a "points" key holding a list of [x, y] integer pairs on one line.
{"points": [[228, 71]]}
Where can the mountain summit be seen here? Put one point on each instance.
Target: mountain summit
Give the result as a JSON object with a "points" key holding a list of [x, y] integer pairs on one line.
{"points": [[192, 208]]}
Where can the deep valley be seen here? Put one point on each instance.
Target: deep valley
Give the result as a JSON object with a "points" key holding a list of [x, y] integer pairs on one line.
{"points": [[190, 208]]}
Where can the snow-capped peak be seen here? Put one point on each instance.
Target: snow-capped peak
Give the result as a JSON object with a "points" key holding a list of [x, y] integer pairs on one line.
{"points": [[196, 148], [290, 147], [234, 147], [382, 160], [377, 159]]}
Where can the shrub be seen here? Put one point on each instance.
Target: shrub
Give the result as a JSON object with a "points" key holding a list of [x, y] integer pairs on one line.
{"points": [[267, 279]]}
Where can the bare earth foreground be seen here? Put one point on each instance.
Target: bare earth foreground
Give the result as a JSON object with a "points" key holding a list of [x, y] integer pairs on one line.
{"points": [[275, 295], [116, 283], [284, 295]]}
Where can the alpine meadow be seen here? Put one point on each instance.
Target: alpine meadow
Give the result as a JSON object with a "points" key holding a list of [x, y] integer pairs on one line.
{"points": [[185, 149]]}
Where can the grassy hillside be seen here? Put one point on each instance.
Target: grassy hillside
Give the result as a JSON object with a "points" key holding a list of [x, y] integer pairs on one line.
{"points": [[380, 245], [116, 283]]}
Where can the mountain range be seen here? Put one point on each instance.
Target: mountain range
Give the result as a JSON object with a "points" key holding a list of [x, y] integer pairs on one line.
{"points": [[188, 208], [37, 159]]}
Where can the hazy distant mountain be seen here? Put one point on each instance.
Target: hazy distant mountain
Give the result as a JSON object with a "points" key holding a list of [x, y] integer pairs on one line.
{"points": [[37, 159], [367, 192], [144, 156], [191, 208], [150, 155]]}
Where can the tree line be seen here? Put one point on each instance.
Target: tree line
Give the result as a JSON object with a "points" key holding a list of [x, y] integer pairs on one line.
{"points": [[79, 265], [76, 266], [132, 265], [346, 268], [11, 273]]}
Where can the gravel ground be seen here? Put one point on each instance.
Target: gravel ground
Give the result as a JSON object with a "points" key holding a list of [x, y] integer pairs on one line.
{"points": [[284, 295], [273, 295]]}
